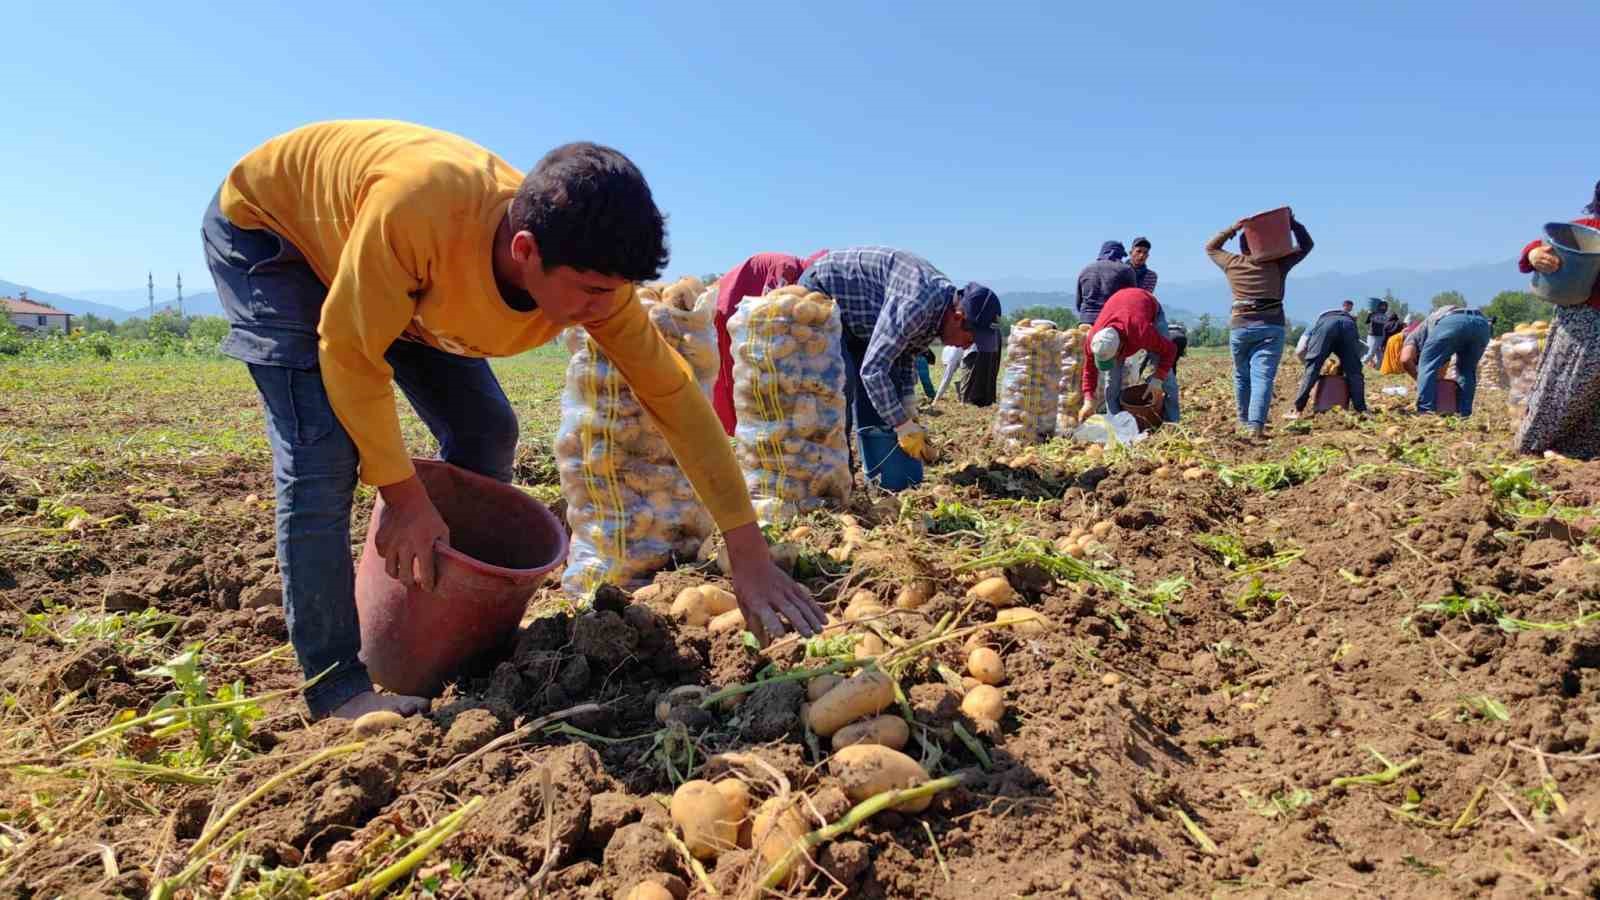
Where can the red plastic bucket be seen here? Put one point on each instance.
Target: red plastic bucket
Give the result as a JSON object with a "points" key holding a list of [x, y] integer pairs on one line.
{"points": [[1331, 391], [1444, 397], [502, 544], [1269, 234]]}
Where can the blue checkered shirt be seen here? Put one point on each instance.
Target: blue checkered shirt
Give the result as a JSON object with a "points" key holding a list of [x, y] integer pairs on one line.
{"points": [[894, 301], [1146, 278]]}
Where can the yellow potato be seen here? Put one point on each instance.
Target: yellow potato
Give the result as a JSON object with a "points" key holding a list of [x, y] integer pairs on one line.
{"points": [[996, 591], [866, 770], [1194, 473], [689, 607], [1162, 472], [985, 665], [736, 803], [863, 694], [914, 595], [1101, 529], [886, 731], [870, 646], [778, 824], [701, 812], [862, 605], [984, 703], [717, 600], [820, 685], [1023, 621], [375, 723], [732, 620], [649, 890]]}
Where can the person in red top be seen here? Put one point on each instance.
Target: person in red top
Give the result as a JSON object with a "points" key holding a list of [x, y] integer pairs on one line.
{"points": [[754, 277], [1564, 407], [1132, 320]]}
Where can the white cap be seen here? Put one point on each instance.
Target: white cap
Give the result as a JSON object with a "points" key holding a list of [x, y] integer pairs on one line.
{"points": [[1105, 343]]}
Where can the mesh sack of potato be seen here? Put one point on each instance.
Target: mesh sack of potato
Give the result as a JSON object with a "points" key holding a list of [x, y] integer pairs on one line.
{"points": [[1031, 384], [1520, 353], [788, 390], [1492, 372], [1070, 393], [631, 510]]}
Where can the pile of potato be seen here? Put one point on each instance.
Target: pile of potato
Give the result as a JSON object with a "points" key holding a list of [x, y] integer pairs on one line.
{"points": [[788, 389], [630, 507], [1031, 386], [1520, 353], [1070, 395]]}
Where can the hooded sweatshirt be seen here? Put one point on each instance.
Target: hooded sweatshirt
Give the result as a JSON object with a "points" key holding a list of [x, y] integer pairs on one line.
{"points": [[1102, 278], [1132, 312]]}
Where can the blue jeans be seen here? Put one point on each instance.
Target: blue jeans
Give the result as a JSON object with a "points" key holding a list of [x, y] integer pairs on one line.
{"points": [[1336, 337], [1257, 350], [267, 291], [925, 376], [1463, 335], [1169, 406]]}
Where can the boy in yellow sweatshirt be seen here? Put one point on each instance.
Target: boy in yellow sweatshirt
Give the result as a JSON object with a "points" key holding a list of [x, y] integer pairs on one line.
{"points": [[358, 255]]}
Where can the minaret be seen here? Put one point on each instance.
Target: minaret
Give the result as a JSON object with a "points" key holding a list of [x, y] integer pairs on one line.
{"points": [[150, 285], [180, 295]]}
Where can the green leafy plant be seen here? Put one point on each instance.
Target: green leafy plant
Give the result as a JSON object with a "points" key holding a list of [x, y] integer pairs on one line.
{"points": [[1303, 465], [1455, 606], [1257, 600], [950, 517], [1226, 547], [216, 731]]}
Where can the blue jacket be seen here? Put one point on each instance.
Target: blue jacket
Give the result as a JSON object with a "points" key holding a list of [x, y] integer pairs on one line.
{"points": [[1102, 278]]}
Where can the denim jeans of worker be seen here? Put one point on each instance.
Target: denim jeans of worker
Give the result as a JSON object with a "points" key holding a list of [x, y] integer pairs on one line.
{"points": [[1257, 349], [1343, 342], [1463, 335], [859, 411], [926, 377], [262, 282]]}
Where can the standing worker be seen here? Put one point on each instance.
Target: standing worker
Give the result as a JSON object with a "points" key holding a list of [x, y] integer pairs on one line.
{"points": [[1333, 334], [1102, 278], [893, 305], [1131, 321], [352, 257], [1450, 331], [755, 277], [1564, 407], [1144, 277], [1378, 329], [1257, 325]]}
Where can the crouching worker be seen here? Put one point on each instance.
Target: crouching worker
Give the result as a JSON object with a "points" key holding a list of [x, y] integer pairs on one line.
{"points": [[1334, 334], [1449, 332], [893, 305], [353, 257], [1132, 320]]}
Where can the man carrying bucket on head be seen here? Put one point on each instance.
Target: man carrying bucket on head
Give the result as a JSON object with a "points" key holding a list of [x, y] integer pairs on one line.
{"points": [[351, 257], [893, 305], [1334, 334], [1131, 321]]}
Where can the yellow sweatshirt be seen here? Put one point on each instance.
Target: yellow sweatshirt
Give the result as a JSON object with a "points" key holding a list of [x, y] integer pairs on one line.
{"points": [[398, 221]]}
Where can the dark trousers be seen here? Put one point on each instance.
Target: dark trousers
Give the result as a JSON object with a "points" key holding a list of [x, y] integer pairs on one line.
{"points": [[1334, 337]]}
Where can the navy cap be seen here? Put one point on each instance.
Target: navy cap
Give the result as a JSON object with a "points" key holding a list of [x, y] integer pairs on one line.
{"points": [[980, 308]]}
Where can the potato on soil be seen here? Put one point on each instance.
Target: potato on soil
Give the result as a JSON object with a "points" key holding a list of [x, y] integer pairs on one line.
{"points": [[1194, 473], [736, 803], [696, 606], [862, 605], [863, 694], [865, 770], [1101, 529], [778, 824], [820, 685], [984, 703], [886, 731], [375, 723], [869, 647], [1025, 622], [732, 620], [996, 592], [649, 890], [1162, 472], [985, 665], [914, 595], [701, 812]]}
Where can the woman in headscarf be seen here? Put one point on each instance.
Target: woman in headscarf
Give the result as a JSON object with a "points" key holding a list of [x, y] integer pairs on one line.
{"points": [[1564, 408]]}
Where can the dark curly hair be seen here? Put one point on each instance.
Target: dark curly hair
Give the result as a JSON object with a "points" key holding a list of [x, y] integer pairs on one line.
{"points": [[1594, 207], [590, 208]]}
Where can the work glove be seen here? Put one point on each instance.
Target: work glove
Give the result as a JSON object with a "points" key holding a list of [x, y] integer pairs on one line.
{"points": [[911, 437]]}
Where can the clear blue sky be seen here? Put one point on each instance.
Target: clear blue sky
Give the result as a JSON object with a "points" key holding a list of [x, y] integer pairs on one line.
{"points": [[1000, 140]]}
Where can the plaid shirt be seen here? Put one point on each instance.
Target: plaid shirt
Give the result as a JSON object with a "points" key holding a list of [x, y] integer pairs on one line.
{"points": [[1145, 278], [894, 301]]}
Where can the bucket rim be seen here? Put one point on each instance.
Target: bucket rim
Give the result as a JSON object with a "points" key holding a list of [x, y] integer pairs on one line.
{"points": [[540, 511], [1269, 212], [1549, 234]]}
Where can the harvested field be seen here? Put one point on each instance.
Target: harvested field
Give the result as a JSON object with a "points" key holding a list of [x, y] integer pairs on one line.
{"points": [[1360, 657]]}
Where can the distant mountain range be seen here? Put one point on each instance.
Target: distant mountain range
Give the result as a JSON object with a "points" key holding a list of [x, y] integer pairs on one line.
{"points": [[1309, 294], [202, 304]]}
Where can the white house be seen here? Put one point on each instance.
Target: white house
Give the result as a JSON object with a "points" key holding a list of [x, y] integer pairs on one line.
{"points": [[29, 315]]}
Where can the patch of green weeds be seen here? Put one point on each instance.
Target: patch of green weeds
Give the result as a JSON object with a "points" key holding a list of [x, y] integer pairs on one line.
{"points": [[217, 732], [1303, 465], [1455, 606], [1257, 600], [950, 517], [1279, 803], [1485, 707], [1226, 547]]}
